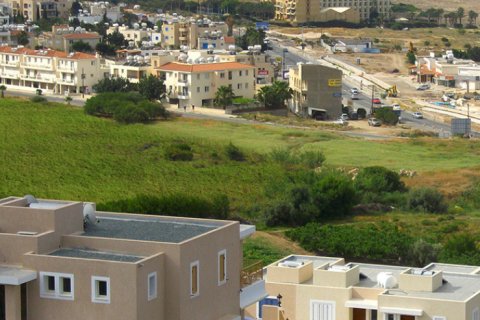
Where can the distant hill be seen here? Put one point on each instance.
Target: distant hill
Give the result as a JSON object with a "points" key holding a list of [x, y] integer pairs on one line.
{"points": [[447, 5]]}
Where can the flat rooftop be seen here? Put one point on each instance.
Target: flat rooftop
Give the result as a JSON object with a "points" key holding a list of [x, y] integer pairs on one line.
{"points": [[94, 254], [316, 261], [452, 268], [155, 228]]}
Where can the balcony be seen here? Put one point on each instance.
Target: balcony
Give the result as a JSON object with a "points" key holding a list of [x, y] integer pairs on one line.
{"points": [[183, 95], [38, 66], [37, 78], [10, 63], [252, 284], [66, 69], [181, 81], [66, 81]]}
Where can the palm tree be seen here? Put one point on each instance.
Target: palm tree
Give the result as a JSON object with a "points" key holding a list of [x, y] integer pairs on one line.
{"points": [[68, 99], [460, 14], [472, 17], [224, 96], [2, 90], [274, 96]]}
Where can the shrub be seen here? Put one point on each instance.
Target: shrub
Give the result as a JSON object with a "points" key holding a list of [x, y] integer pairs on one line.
{"points": [[311, 159], [378, 179], [172, 205], [426, 200], [179, 152], [234, 153], [279, 214], [422, 253], [444, 39], [38, 99], [387, 116], [462, 249], [362, 113]]}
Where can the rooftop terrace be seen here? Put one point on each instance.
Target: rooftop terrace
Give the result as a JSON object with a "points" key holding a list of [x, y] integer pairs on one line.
{"points": [[158, 229], [94, 254]]}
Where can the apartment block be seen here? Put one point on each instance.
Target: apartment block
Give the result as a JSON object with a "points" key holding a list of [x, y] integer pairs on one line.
{"points": [[134, 68], [301, 11], [196, 83], [62, 37], [36, 9], [177, 33], [326, 288], [48, 70], [317, 91], [65, 260]]}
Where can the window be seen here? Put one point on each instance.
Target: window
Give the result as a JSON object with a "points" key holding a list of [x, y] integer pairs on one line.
{"points": [[152, 286], [56, 285], [229, 75], [198, 76], [100, 289], [246, 73], [239, 86], [198, 89], [222, 267], [194, 279], [222, 75], [246, 85], [207, 88], [240, 73], [207, 75]]}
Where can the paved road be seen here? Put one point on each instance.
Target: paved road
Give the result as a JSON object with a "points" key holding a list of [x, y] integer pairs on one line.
{"points": [[364, 101], [77, 101]]}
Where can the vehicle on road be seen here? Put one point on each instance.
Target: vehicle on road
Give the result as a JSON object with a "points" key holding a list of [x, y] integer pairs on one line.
{"points": [[355, 96], [423, 87], [344, 116], [374, 122], [417, 115], [396, 106], [376, 101], [354, 91], [341, 122]]}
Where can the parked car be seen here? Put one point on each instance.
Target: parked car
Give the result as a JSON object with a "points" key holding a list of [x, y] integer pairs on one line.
{"points": [[341, 122], [344, 116], [396, 106], [423, 87], [374, 122], [355, 96], [354, 91], [417, 115], [376, 101]]}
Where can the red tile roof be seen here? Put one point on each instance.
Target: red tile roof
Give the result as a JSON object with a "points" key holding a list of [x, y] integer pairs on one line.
{"points": [[86, 35], [218, 66], [229, 40], [46, 53]]}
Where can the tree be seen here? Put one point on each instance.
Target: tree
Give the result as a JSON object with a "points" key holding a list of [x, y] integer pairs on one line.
{"points": [[116, 39], [474, 53], [105, 49], [22, 38], [81, 46], [252, 37], [422, 253], [39, 92], [472, 17], [151, 87], [411, 57], [274, 96], [2, 90], [113, 85], [76, 6], [460, 14], [224, 96], [378, 179], [68, 99]]}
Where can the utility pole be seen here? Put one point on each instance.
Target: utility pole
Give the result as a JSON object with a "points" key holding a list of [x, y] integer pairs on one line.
{"points": [[373, 93], [83, 83], [285, 50]]}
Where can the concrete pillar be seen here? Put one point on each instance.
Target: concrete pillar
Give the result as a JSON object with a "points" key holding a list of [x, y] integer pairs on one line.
{"points": [[13, 303]]}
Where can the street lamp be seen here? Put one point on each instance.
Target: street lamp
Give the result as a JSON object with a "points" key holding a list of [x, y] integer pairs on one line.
{"points": [[285, 50]]}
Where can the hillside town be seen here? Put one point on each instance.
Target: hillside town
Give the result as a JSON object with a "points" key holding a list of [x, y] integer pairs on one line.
{"points": [[235, 160]]}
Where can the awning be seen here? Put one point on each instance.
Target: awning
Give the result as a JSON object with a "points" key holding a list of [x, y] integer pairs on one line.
{"points": [[15, 275], [362, 304], [402, 311]]}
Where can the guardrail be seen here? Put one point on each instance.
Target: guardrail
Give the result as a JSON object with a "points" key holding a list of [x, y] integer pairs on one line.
{"points": [[251, 272]]}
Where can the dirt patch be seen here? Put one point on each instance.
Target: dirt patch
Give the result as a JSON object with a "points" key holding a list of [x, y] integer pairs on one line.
{"points": [[277, 239], [373, 63]]}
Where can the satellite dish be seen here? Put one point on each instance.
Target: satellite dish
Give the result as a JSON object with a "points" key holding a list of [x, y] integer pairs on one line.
{"points": [[89, 216], [30, 199]]}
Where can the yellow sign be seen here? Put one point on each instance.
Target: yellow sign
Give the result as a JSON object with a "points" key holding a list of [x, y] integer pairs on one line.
{"points": [[334, 82]]}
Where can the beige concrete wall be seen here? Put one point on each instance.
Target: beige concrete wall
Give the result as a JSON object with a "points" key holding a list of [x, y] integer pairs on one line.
{"points": [[350, 15], [366, 293], [430, 307], [341, 279], [214, 300], [412, 282], [123, 289], [290, 275], [307, 293], [155, 308], [472, 304], [289, 297]]}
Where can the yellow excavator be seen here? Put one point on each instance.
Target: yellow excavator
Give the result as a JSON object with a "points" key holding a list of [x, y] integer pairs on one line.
{"points": [[392, 91]]}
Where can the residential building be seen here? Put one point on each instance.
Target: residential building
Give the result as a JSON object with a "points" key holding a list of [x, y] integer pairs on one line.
{"points": [[36, 9], [62, 37], [349, 45], [177, 33], [326, 288], [135, 35], [196, 82], [104, 8], [301, 11], [134, 68], [65, 260], [5, 13], [317, 91], [48, 70]]}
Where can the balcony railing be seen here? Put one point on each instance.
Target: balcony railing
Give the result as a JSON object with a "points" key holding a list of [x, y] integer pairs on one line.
{"points": [[252, 271]]}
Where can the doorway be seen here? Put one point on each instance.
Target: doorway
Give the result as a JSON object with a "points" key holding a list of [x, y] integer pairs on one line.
{"points": [[2, 302], [403, 317], [359, 314]]}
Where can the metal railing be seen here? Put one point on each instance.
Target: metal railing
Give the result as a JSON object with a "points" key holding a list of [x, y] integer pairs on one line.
{"points": [[251, 272]]}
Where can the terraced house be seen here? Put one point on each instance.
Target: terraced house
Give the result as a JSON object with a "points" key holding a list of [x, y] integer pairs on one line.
{"points": [[64, 260], [49, 70], [328, 288]]}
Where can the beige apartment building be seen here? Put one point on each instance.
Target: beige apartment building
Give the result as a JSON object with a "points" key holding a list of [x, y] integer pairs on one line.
{"points": [[195, 84], [182, 33], [301, 11], [64, 260], [326, 288], [62, 37], [36, 9], [317, 91], [49, 70]]}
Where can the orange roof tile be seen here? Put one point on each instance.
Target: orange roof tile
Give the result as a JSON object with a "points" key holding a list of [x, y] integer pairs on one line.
{"points": [[229, 40], [218, 66], [46, 53], [87, 35]]}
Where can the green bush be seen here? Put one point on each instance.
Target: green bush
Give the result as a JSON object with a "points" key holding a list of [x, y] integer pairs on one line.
{"points": [[378, 180], [172, 205], [387, 116], [461, 249], [426, 200], [234, 153], [309, 159], [312, 159], [179, 152], [38, 99], [422, 253]]}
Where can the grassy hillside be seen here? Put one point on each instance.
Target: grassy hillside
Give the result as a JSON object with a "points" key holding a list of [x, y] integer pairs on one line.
{"points": [[56, 151]]}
